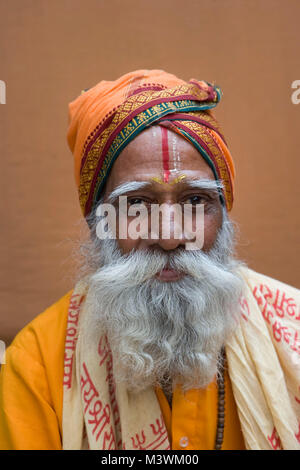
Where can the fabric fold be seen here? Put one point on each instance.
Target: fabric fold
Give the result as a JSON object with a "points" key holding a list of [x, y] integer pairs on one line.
{"points": [[263, 358]]}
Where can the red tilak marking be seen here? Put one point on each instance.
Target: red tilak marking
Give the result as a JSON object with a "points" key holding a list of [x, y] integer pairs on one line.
{"points": [[165, 154]]}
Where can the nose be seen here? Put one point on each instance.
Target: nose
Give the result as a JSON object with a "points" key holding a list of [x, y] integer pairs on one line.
{"points": [[169, 244], [166, 231]]}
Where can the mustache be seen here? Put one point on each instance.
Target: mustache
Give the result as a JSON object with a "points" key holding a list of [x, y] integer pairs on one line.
{"points": [[140, 266]]}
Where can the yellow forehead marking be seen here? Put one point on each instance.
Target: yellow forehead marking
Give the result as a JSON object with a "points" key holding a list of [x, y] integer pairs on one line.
{"points": [[176, 180]]}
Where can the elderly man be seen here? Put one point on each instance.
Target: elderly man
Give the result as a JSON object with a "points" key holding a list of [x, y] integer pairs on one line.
{"points": [[168, 341]]}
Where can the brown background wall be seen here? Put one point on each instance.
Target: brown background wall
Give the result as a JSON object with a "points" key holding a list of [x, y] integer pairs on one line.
{"points": [[51, 49]]}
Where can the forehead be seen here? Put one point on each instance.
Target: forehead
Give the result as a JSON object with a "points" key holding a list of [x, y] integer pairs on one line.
{"points": [[158, 153]]}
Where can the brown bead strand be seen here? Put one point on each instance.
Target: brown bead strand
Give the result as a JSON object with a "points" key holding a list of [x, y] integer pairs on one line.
{"points": [[221, 404]]}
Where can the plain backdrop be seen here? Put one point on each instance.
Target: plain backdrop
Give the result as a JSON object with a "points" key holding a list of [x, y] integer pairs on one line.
{"points": [[52, 49]]}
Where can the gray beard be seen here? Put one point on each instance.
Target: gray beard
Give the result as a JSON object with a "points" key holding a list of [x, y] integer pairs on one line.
{"points": [[165, 333]]}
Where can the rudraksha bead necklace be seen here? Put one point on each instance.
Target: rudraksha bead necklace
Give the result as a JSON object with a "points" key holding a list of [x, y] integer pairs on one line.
{"points": [[221, 403]]}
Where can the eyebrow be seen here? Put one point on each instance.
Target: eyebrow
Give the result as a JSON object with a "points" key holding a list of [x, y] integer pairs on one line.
{"points": [[213, 186], [127, 187]]}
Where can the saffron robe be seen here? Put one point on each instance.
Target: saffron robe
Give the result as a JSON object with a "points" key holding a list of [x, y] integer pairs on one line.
{"points": [[31, 392]]}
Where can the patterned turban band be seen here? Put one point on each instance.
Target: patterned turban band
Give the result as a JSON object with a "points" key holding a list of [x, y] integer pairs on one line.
{"points": [[105, 118]]}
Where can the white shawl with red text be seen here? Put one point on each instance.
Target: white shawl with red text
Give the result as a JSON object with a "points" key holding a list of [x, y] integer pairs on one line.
{"points": [[263, 359]]}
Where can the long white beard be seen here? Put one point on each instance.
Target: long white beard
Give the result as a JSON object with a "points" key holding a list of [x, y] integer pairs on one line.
{"points": [[164, 333]]}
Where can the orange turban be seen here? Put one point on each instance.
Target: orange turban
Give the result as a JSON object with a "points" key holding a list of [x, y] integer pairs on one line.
{"points": [[105, 118]]}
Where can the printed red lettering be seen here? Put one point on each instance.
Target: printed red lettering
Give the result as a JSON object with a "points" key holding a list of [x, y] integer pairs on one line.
{"points": [[87, 387], [100, 417], [244, 308], [67, 379], [109, 442], [280, 332], [71, 338], [275, 440], [103, 349], [298, 399], [160, 427], [298, 434], [139, 440]]}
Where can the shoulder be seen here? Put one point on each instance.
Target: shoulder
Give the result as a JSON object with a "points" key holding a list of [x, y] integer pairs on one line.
{"points": [[31, 379], [283, 299], [31, 382], [256, 279], [45, 334]]}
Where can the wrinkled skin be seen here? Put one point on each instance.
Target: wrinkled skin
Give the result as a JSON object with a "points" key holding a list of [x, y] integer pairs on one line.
{"points": [[142, 160]]}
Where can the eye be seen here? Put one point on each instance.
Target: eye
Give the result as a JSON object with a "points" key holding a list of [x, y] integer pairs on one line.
{"points": [[195, 200], [136, 200]]}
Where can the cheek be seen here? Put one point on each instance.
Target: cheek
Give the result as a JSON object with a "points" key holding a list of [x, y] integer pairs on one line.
{"points": [[125, 242], [212, 225], [127, 245]]}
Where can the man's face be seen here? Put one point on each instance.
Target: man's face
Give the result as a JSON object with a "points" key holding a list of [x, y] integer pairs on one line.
{"points": [[167, 310], [168, 163]]}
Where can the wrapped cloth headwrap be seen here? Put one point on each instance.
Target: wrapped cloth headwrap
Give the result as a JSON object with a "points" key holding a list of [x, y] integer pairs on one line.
{"points": [[105, 118]]}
